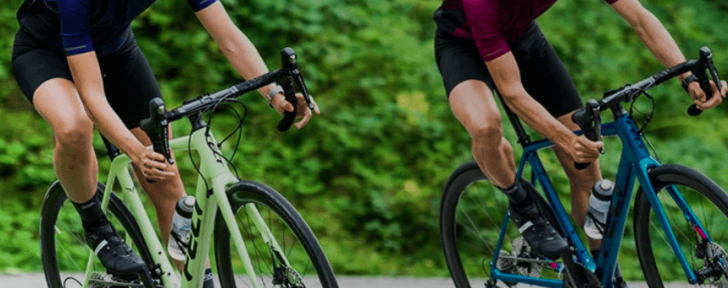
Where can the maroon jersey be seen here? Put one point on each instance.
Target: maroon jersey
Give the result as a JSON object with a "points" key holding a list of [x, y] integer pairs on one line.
{"points": [[493, 24]]}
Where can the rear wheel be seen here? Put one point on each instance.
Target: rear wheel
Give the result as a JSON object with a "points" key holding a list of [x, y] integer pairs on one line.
{"points": [[308, 264], [472, 211], [63, 247], [709, 203]]}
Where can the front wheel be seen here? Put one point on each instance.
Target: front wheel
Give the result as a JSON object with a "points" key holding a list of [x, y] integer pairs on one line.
{"points": [[709, 203], [297, 261]]}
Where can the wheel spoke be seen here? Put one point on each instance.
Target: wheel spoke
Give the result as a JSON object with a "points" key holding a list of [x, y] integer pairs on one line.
{"points": [[266, 260], [707, 212]]}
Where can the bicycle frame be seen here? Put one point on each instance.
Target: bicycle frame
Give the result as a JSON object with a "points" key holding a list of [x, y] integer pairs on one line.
{"points": [[635, 163], [216, 173]]}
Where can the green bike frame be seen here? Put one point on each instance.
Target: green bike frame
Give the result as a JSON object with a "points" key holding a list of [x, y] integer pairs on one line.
{"points": [[215, 171]]}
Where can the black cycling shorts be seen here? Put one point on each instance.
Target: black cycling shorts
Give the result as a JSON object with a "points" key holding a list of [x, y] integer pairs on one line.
{"points": [[543, 75], [129, 82]]}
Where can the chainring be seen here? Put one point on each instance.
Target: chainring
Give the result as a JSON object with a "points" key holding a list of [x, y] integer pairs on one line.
{"points": [[593, 281]]}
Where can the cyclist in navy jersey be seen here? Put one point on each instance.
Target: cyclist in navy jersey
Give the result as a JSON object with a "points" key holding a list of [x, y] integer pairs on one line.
{"points": [[78, 64], [486, 45]]}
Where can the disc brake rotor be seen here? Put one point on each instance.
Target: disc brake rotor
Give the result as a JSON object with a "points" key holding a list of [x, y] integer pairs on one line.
{"points": [[287, 277]]}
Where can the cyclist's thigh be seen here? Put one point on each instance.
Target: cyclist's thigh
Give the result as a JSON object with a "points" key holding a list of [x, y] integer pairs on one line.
{"points": [[45, 79], [467, 81], [129, 83], [543, 75]]}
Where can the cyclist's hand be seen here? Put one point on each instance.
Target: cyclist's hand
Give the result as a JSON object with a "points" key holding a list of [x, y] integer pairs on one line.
{"points": [[699, 96], [153, 165], [585, 150], [280, 104]]}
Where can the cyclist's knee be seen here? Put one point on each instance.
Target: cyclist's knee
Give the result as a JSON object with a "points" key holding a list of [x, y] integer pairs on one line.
{"points": [[75, 133], [488, 132]]}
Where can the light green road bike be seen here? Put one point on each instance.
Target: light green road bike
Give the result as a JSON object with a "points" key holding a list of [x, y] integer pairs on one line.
{"points": [[274, 247]]}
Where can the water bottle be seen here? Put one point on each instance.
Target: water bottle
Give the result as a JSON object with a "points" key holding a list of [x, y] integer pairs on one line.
{"points": [[599, 202], [181, 224]]}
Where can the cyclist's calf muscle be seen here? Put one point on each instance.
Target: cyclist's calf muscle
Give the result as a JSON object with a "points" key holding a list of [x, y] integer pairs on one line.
{"points": [[474, 105], [57, 100]]}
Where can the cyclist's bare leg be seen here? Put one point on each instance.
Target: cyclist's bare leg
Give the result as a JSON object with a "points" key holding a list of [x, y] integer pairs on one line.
{"points": [[58, 101], [474, 105], [581, 181], [164, 194]]}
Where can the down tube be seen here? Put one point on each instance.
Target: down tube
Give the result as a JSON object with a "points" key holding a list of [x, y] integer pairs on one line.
{"points": [[203, 224], [609, 250]]}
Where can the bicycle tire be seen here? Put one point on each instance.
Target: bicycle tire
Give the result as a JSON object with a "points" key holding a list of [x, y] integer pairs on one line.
{"points": [[464, 176], [660, 178], [246, 192], [52, 204]]}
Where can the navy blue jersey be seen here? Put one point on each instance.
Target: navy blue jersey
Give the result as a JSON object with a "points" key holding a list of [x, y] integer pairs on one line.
{"points": [[84, 23]]}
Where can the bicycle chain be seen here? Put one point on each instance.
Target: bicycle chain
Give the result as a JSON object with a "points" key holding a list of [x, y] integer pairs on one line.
{"points": [[100, 280]]}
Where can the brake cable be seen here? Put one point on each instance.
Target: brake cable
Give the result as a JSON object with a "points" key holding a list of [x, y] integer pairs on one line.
{"points": [[647, 121]]}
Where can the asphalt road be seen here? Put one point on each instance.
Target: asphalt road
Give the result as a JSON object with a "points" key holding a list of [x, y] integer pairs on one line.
{"points": [[37, 280]]}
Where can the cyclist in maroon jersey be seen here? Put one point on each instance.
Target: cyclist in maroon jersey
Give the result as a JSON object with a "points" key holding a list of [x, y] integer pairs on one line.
{"points": [[484, 45]]}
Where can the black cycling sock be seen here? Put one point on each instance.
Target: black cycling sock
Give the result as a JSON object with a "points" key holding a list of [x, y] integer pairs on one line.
{"points": [[90, 212], [516, 194], [209, 281]]}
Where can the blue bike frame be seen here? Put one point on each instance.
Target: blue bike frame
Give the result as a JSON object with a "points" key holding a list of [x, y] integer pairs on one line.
{"points": [[635, 163]]}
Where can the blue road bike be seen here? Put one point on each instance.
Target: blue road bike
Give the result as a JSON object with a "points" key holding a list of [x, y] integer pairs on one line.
{"points": [[680, 215]]}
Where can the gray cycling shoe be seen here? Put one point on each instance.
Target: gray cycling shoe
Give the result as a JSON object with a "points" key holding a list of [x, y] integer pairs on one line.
{"points": [[536, 230], [114, 254]]}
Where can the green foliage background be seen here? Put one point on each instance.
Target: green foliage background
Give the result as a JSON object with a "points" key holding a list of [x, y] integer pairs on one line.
{"points": [[367, 174]]}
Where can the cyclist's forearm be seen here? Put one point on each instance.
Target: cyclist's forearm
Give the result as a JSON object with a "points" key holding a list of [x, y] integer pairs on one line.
{"points": [[652, 33], [87, 77], [245, 58], [536, 116], [507, 77], [660, 43], [238, 49]]}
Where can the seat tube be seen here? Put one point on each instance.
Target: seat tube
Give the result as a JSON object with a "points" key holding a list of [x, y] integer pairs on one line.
{"points": [[523, 138]]}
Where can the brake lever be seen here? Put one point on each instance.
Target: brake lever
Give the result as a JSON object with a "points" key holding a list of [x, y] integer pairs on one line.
{"points": [[590, 122], [301, 84], [706, 62], [715, 75], [290, 64], [290, 95], [157, 128]]}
